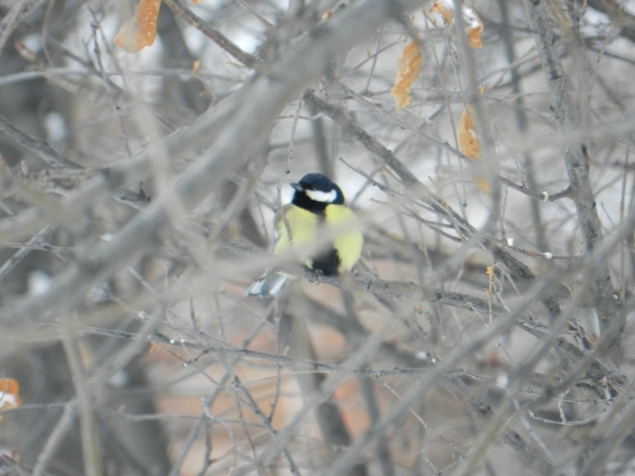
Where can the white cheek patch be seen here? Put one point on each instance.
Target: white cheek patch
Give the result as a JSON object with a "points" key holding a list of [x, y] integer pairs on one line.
{"points": [[325, 197]]}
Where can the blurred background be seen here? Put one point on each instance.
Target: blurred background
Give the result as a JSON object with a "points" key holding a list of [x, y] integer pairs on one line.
{"points": [[485, 330]]}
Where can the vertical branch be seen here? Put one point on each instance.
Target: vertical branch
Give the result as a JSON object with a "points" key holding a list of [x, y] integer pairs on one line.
{"points": [[90, 439], [382, 447], [575, 155], [325, 164], [293, 335], [521, 120]]}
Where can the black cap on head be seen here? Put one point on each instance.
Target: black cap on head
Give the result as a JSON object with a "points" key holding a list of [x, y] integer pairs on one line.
{"points": [[322, 182], [316, 188]]}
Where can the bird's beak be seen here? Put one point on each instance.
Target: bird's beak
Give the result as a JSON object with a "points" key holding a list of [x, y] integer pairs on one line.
{"points": [[297, 187]]}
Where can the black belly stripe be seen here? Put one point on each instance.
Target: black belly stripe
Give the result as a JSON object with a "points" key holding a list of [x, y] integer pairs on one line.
{"points": [[328, 263]]}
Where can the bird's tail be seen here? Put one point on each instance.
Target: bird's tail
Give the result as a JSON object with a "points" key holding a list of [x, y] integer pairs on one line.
{"points": [[267, 286]]}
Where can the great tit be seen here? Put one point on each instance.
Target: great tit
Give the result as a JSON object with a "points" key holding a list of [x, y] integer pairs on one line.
{"points": [[317, 208]]}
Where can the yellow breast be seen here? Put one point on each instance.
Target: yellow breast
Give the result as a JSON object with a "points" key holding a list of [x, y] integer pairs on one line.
{"points": [[349, 242], [305, 229]]}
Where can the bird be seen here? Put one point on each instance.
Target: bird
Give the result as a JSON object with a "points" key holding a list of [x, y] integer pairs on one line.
{"points": [[317, 207]]}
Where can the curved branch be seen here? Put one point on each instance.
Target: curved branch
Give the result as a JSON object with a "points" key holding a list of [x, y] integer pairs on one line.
{"points": [[250, 113]]}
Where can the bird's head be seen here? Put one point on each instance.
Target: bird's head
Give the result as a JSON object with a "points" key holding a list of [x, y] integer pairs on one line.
{"points": [[316, 190]]}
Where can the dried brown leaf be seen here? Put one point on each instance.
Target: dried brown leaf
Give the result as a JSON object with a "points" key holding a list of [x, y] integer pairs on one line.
{"points": [[408, 68], [474, 28], [445, 9], [141, 30], [481, 182], [9, 397], [468, 144]]}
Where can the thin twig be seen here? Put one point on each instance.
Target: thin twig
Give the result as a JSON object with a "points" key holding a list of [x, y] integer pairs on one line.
{"points": [[40, 148]]}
